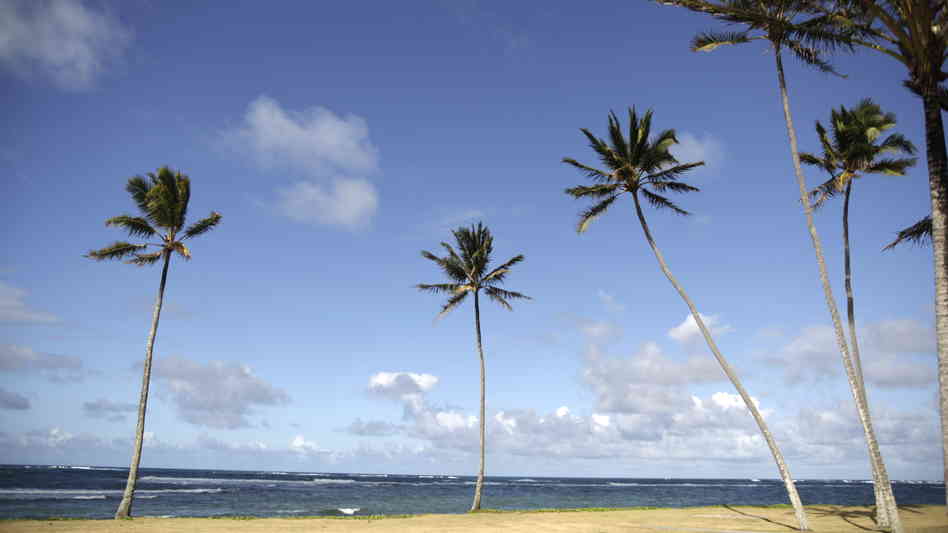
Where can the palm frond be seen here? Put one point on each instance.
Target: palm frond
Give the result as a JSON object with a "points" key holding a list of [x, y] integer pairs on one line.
{"points": [[919, 233], [606, 154], [596, 191], [593, 173], [452, 302], [116, 250], [674, 173], [588, 215], [897, 143], [182, 250], [823, 192], [709, 40], [660, 202], [449, 265], [138, 187], [146, 259], [673, 186], [812, 57], [891, 167], [501, 296], [202, 226], [499, 273], [440, 288], [135, 226]]}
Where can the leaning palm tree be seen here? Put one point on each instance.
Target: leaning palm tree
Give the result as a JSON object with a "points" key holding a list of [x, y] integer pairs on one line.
{"points": [[856, 149], [643, 165], [467, 268], [799, 27], [915, 33], [162, 198]]}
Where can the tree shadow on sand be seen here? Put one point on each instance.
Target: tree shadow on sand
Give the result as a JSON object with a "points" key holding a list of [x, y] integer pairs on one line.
{"points": [[849, 515], [759, 517]]}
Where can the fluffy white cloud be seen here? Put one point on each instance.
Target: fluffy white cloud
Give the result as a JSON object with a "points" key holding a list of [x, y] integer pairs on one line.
{"points": [[349, 203], [304, 448], [55, 368], [66, 41], [108, 410], [14, 401], [217, 394], [688, 332], [13, 308], [692, 148], [333, 152]]}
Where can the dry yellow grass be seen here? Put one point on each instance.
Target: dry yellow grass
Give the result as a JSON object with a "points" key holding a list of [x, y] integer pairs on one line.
{"points": [[824, 519]]}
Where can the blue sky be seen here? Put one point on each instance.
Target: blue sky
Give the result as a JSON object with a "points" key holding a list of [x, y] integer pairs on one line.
{"points": [[339, 141]]}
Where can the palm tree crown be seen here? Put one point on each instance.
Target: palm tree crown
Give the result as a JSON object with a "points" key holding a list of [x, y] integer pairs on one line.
{"points": [[639, 163], [467, 269], [162, 199], [855, 148]]}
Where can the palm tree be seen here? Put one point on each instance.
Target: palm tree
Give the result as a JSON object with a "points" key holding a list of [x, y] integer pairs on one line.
{"points": [[162, 199], [799, 27], [467, 270], [643, 165], [854, 150], [915, 33]]}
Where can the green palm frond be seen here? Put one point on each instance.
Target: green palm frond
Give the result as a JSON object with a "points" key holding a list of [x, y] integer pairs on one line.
{"points": [[116, 250], [441, 288], [588, 215], [824, 191], [660, 202], [135, 226], [452, 302], [449, 265], [674, 173], [203, 226], [138, 187], [593, 173], [919, 233], [146, 259], [596, 191], [897, 143], [709, 40], [673, 186], [812, 57], [499, 273], [501, 296], [891, 167]]}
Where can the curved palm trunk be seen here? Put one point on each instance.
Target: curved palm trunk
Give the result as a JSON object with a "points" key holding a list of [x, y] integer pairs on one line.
{"points": [[880, 480], [125, 507], [731, 374], [862, 408], [479, 487], [938, 186]]}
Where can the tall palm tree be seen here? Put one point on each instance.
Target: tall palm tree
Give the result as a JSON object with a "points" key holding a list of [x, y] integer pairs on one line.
{"points": [[641, 164], [854, 150], [915, 33], [800, 28], [467, 270], [162, 199]]}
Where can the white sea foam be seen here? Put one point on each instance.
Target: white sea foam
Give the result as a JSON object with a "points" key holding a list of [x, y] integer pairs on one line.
{"points": [[526, 480], [349, 510]]}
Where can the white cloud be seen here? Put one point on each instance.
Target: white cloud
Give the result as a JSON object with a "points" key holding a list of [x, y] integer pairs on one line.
{"points": [[688, 332], [13, 308], [13, 401], [303, 447], [217, 394], [333, 152], [316, 141], [692, 148], [600, 331], [349, 203], [609, 301], [65, 41], [400, 384], [900, 337], [55, 368]]}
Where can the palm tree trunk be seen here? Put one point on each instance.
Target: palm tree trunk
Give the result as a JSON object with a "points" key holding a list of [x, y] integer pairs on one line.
{"points": [[880, 480], [125, 507], [938, 187], [731, 374], [861, 406], [479, 487]]}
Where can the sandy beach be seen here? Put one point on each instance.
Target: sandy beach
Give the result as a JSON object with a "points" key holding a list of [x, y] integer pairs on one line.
{"points": [[726, 519]]}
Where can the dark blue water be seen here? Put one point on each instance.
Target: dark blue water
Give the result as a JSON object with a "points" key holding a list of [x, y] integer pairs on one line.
{"points": [[94, 492]]}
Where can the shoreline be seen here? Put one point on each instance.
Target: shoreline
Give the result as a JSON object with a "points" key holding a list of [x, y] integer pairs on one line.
{"points": [[710, 519]]}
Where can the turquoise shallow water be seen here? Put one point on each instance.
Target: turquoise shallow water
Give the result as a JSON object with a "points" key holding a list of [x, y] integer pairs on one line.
{"points": [[41, 491]]}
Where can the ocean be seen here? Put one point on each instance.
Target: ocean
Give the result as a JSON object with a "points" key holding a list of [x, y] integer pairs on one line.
{"points": [[43, 491]]}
